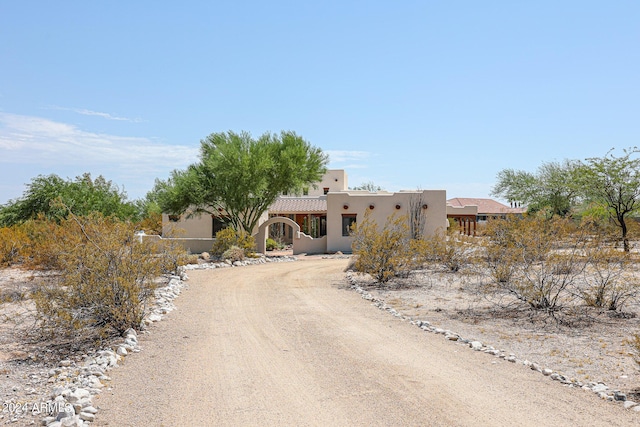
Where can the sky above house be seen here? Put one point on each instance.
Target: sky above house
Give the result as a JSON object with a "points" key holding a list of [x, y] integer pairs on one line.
{"points": [[406, 94]]}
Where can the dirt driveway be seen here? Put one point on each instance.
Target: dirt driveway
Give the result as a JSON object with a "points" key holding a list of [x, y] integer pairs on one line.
{"points": [[287, 344]]}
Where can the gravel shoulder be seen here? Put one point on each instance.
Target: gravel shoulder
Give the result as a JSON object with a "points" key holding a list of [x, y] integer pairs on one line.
{"points": [[290, 344]]}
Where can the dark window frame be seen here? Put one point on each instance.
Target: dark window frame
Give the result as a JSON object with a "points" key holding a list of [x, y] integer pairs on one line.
{"points": [[347, 222]]}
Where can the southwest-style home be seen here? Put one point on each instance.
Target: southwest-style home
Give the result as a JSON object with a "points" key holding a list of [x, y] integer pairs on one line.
{"points": [[319, 220], [469, 212]]}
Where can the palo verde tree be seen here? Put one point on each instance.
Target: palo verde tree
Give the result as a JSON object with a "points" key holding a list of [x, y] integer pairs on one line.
{"points": [[551, 188], [242, 176], [614, 183]]}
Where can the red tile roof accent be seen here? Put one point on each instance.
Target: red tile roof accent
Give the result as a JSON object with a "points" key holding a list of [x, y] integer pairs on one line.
{"points": [[292, 205]]}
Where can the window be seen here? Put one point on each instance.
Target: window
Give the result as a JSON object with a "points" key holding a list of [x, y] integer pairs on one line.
{"points": [[174, 218], [347, 222], [325, 190], [305, 191], [219, 224]]}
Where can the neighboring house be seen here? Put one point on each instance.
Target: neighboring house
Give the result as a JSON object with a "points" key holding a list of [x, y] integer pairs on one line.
{"points": [[318, 221], [469, 212]]}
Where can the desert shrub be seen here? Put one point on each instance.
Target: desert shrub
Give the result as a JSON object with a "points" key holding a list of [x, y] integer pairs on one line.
{"points": [[351, 265], [151, 224], [273, 245], [383, 253], [234, 253], [186, 259], [535, 259], [229, 237], [499, 259], [107, 278], [447, 248], [635, 347], [12, 243], [47, 240], [607, 282]]}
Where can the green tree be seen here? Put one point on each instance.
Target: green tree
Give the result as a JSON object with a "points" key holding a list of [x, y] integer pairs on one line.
{"points": [[52, 197], [242, 176], [614, 183], [368, 186], [149, 212], [552, 187]]}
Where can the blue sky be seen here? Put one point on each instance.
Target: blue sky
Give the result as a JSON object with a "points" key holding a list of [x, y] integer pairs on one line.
{"points": [[407, 94]]}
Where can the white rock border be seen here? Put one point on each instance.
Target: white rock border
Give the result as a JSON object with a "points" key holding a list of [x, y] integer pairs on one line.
{"points": [[599, 388], [72, 405]]}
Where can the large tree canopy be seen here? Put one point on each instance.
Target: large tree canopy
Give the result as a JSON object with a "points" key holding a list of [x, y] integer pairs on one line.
{"points": [[242, 176], [53, 197], [613, 182], [552, 187]]}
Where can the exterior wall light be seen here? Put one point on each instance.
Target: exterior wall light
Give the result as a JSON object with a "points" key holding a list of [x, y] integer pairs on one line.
{"points": [[425, 206], [398, 206], [345, 206], [371, 207]]}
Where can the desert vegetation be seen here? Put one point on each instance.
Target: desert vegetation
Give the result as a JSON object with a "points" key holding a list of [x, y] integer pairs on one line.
{"points": [[81, 233], [102, 275], [568, 268], [543, 272], [233, 245]]}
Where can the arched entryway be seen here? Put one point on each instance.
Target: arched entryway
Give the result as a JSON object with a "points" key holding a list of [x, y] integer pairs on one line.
{"points": [[263, 231], [301, 242]]}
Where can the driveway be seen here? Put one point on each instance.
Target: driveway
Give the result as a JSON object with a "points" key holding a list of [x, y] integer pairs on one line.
{"points": [[287, 344]]}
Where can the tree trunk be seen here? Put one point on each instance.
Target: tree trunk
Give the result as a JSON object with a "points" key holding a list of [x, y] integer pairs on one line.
{"points": [[625, 240]]}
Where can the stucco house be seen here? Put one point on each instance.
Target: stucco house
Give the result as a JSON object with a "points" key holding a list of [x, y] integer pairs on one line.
{"points": [[319, 220], [469, 212]]}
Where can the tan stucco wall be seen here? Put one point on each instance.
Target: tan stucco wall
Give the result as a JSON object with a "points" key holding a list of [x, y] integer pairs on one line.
{"points": [[462, 210], [192, 245], [309, 245], [199, 225], [333, 179], [384, 206]]}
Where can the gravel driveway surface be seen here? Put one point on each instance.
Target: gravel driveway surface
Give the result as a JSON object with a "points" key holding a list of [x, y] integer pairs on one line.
{"points": [[288, 344]]}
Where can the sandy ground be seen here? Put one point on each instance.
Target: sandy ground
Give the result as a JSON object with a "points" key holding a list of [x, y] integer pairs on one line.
{"points": [[289, 344], [586, 345]]}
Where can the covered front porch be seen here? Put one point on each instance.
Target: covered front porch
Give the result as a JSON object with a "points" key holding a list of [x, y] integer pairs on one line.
{"points": [[309, 213]]}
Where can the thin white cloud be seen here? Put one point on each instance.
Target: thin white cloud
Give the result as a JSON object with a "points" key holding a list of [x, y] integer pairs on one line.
{"points": [[86, 112], [35, 139], [43, 145], [343, 156]]}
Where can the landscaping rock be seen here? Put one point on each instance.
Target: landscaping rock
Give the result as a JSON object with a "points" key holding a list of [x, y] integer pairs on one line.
{"points": [[475, 345]]}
